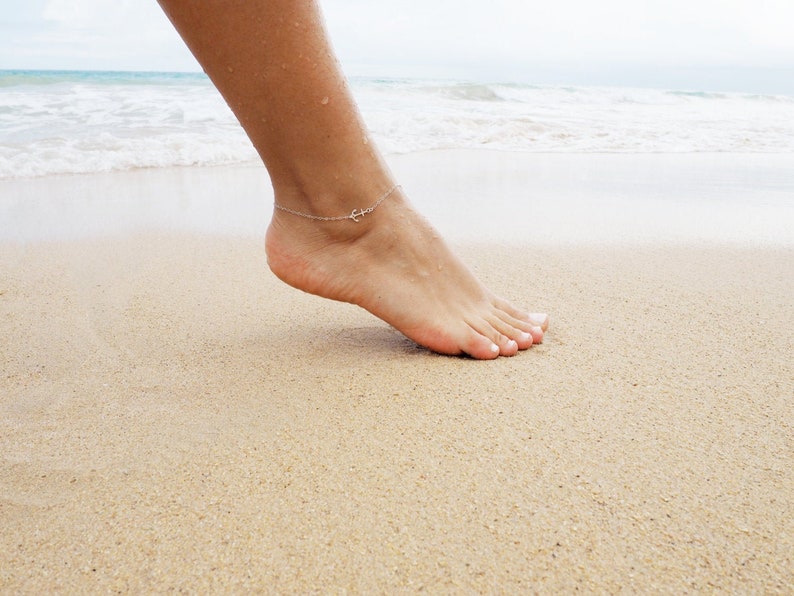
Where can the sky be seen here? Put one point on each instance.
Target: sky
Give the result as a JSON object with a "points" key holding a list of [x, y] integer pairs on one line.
{"points": [[710, 45]]}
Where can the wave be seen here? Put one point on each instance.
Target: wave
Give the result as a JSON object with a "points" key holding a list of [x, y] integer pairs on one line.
{"points": [[74, 122], [467, 92]]}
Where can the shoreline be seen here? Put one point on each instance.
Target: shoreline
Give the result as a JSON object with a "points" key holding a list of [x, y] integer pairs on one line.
{"points": [[480, 195]]}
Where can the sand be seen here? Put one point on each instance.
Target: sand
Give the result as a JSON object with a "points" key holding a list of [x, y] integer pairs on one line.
{"points": [[174, 418]]}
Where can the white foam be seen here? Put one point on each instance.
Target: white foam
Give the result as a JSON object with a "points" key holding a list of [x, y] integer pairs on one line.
{"points": [[95, 122], [556, 119]]}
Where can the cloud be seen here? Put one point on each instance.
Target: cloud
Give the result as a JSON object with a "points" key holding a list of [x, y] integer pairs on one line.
{"points": [[550, 41], [572, 32], [95, 34]]}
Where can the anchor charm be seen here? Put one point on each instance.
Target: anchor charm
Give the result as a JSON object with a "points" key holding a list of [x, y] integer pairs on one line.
{"points": [[355, 215]]}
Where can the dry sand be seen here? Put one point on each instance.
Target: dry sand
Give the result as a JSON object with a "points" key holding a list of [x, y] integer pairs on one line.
{"points": [[174, 418]]}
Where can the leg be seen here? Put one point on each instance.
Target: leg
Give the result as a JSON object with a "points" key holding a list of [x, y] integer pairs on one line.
{"points": [[273, 64]]}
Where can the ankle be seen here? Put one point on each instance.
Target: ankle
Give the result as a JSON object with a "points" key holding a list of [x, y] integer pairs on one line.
{"points": [[355, 215], [331, 197]]}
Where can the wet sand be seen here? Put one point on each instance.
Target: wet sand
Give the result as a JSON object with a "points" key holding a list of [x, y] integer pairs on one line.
{"points": [[173, 417]]}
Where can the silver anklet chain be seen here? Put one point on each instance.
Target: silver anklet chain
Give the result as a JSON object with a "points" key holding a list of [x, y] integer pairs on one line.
{"points": [[355, 215]]}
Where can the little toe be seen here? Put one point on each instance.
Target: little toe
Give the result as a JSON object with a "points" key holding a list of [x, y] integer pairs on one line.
{"points": [[534, 319], [511, 310], [539, 320]]}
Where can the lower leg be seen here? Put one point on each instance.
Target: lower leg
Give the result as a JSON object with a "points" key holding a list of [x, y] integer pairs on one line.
{"points": [[273, 64]]}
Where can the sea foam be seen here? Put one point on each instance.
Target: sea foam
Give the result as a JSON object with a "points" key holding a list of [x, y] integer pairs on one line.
{"points": [[76, 122]]}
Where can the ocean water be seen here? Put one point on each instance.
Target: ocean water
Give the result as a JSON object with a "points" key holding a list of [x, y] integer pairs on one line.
{"points": [[76, 122]]}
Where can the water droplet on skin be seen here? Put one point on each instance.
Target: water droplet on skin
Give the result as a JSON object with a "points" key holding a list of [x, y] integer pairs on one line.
{"points": [[230, 69], [324, 101]]}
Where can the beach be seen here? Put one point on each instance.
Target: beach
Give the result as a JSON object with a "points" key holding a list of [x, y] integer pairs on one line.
{"points": [[175, 418]]}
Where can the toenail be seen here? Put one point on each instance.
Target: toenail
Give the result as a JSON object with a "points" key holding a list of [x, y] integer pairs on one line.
{"points": [[538, 330], [538, 318], [512, 344], [525, 336], [494, 348]]}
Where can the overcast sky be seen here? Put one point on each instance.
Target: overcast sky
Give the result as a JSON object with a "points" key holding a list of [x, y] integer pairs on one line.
{"points": [[743, 45]]}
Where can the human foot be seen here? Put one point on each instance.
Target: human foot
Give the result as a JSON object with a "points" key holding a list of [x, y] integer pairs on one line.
{"points": [[395, 265]]}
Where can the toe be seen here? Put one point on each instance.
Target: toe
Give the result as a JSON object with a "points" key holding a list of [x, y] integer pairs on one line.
{"points": [[539, 320], [506, 344], [511, 310], [534, 319], [514, 330], [481, 347], [510, 349]]}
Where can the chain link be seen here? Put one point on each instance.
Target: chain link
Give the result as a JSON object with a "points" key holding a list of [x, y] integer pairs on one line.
{"points": [[355, 215]]}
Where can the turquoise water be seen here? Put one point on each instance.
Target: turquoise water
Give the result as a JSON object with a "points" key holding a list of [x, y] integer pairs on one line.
{"points": [[13, 78]]}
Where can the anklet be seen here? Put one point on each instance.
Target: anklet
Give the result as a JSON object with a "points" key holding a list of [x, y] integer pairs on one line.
{"points": [[355, 215]]}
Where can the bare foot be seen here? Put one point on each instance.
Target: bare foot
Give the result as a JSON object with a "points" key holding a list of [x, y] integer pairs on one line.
{"points": [[395, 265]]}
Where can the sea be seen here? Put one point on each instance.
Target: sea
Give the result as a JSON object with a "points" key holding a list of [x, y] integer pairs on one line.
{"points": [[59, 122]]}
